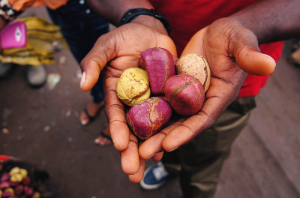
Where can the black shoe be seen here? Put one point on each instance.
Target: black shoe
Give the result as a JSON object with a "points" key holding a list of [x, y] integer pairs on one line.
{"points": [[6, 69]]}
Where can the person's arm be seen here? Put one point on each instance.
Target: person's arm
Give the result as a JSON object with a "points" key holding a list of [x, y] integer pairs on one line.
{"points": [[228, 44], [113, 53], [2, 23], [112, 11], [271, 20]]}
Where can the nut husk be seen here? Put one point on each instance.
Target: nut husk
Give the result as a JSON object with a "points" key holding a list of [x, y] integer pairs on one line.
{"points": [[195, 65]]}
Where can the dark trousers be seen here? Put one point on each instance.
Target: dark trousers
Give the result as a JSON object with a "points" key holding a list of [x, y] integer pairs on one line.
{"points": [[81, 28], [199, 162]]}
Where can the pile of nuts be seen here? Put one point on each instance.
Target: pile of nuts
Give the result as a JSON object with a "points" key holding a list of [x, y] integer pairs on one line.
{"points": [[154, 89], [16, 184]]}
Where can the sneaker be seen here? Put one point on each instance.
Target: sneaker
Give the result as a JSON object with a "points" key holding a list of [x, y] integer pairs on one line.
{"points": [[36, 76], [154, 177], [6, 69]]}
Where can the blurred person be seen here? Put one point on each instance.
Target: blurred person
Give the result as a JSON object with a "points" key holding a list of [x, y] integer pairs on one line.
{"points": [[81, 27], [236, 38], [36, 49], [294, 57]]}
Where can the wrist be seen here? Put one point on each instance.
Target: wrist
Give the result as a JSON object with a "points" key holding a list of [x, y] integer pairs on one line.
{"points": [[151, 22], [148, 17]]}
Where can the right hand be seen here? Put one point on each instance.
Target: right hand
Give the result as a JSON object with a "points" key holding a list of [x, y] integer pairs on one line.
{"points": [[115, 52]]}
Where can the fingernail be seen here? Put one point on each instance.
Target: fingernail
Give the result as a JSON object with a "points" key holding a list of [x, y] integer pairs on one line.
{"points": [[96, 141], [151, 156], [173, 149], [83, 122], [270, 57], [82, 79]]}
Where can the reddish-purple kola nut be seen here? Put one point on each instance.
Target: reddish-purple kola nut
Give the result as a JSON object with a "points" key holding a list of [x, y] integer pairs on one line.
{"points": [[159, 65], [5, 177], [185, 93], [149, 116]]}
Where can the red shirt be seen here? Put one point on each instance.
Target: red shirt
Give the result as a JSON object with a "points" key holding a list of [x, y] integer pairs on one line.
{"points": [[186, 17]]}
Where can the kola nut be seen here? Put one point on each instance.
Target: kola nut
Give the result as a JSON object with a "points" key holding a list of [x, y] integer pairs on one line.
{"points": [[133, 86], [195, 65]]}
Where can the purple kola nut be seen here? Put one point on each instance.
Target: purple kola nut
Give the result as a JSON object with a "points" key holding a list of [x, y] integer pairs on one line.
{"points": [[18, 190], [185, 93], [13, 184], [29, 191], [159, 65], [5, 177], [4, 184], [7, 194], [149, 116]]}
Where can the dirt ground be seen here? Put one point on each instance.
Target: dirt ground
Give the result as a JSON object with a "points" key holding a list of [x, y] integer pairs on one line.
{"points": [[44, 130]]}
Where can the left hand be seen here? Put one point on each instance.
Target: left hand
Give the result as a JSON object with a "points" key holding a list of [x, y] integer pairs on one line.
{"points": [[230, 49]]}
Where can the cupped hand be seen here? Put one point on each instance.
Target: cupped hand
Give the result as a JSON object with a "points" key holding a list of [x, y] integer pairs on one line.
{"points": [[113, 53], [231, 50]]}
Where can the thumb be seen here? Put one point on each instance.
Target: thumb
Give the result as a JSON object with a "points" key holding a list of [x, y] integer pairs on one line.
{"points": [[95, 61], [91, 72], [254, 62]]}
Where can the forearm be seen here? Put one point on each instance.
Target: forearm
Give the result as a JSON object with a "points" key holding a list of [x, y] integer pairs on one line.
{"points": [[112, 11], [271, 20]]}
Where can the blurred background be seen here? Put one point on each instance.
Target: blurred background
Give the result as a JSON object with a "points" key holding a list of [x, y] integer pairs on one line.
{"points": [[41, 126]]}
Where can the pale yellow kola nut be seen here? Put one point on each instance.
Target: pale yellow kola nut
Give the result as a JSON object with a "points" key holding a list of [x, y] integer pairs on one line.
{"points": [[133, 86], [14, 170], [195, 65], [23, 172], [17, 177]]}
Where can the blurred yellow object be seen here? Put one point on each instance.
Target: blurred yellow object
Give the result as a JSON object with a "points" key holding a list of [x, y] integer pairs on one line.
{"points": [[41, 36]]}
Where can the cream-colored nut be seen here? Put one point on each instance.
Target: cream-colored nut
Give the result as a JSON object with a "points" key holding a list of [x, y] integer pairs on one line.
{"points": [[14, 170], [23, 172], [133, 86], [195, 65], [17, 177]]}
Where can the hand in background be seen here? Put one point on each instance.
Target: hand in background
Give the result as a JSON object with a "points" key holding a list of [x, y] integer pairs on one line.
{"points": [[230, 49], [115, 52]]}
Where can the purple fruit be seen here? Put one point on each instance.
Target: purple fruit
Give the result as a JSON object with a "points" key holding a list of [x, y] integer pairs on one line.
{"points": [[12, 184], [4, 184], [5, 177], [29, 191], [7, 194], [159, 65], [185, 93], [18, 190], [26, 181], [148, 117]]}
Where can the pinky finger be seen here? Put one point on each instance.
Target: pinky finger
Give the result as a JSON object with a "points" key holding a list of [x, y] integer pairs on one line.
{"points": [[157, 157], [138, 176]]}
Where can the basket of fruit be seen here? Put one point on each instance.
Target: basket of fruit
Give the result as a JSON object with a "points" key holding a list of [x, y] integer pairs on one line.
{"points": [[20, 179]]}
